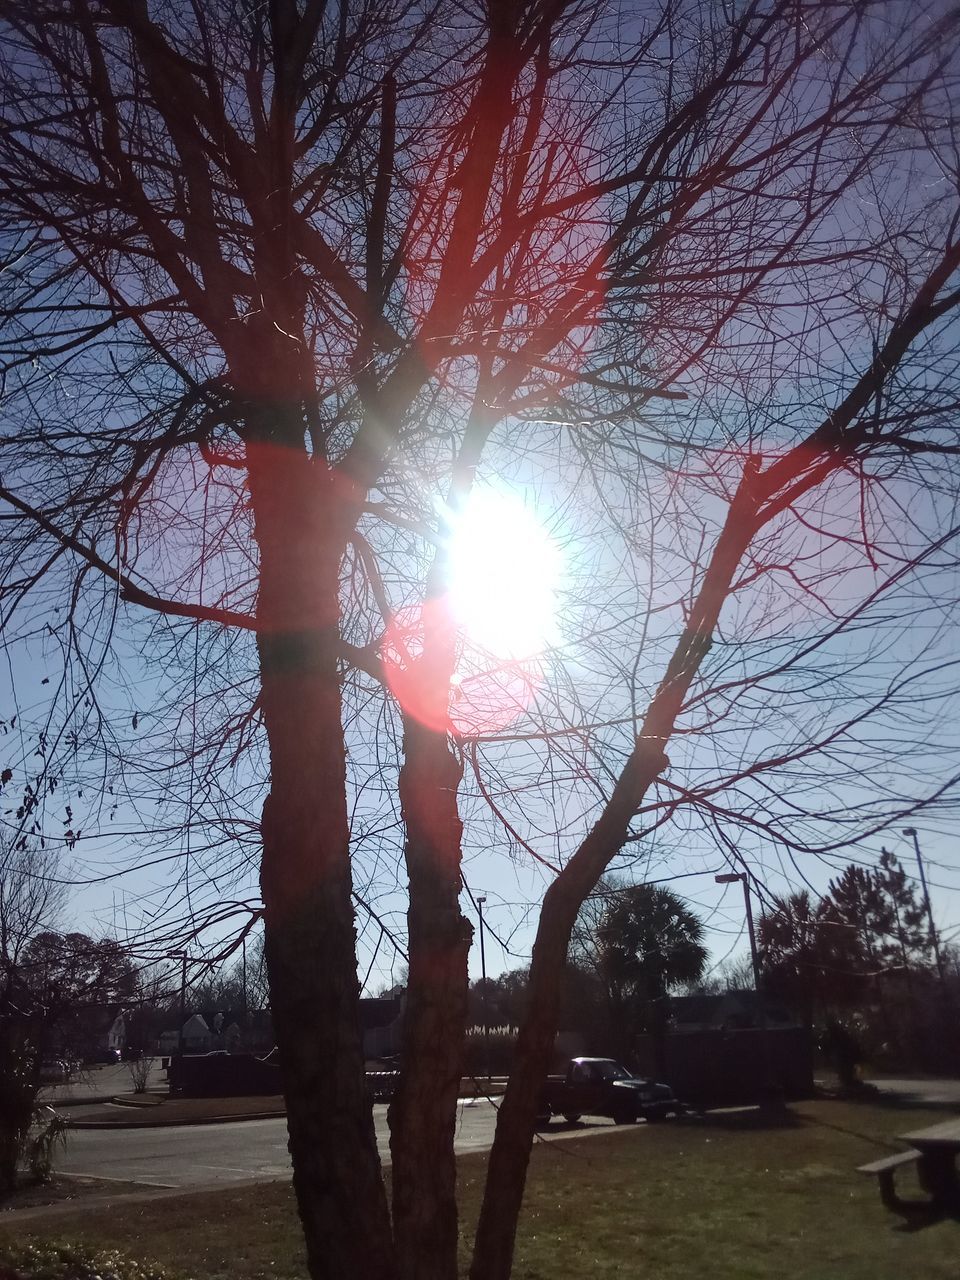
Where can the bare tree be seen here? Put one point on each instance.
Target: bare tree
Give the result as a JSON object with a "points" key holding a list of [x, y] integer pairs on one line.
{"points": [[31, 897], [281, 281]]}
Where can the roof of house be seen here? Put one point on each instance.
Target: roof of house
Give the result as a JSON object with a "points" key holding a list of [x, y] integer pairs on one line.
{"points": [[379, 1011], [92, 1018]]}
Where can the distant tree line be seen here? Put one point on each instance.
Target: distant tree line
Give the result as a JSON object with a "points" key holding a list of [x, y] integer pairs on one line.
{"points": [[47, 979], [858, 963], [632, 946]]}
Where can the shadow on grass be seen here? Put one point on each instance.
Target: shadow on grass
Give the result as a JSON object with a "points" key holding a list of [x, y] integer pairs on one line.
{"points": [[872, 1139], [557, 1126], [744, 1119], [920, 1216]]}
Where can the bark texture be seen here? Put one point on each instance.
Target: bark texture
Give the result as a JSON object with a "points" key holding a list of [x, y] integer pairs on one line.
{"points": [[424, 1111], [305, 874], [510, 1156]]}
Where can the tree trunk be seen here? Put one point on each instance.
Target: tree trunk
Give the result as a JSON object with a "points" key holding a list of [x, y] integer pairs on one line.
{"points": [[507, 1170], [310, 942], [18, 1096], [423, 1113]]}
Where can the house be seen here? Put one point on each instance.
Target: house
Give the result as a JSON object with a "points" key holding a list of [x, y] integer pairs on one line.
{"points": [[196, 1037], [381, 1021], [90, 1032], [212, 1030]]}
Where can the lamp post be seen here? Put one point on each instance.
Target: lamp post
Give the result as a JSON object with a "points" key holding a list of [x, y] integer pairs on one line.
{"points": [[483, 992], [182, 957], [912, 831], [731, 878]]}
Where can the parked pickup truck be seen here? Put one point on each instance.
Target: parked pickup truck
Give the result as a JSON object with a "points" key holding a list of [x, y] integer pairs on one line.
{"points": [[601, 1087]]}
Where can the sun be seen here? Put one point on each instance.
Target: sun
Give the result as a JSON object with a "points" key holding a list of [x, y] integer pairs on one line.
{"points": [[504, 572], [497, 616]]}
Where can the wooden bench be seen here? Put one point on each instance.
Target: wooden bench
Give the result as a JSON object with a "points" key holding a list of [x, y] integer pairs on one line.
{"points": [[883, 1171], [939, 1147]]}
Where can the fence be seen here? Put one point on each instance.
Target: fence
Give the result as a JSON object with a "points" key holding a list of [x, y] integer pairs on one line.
{"points": [[731, 1067]]}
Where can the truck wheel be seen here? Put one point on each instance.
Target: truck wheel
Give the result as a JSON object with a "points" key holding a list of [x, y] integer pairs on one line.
{"points": [[624, 1117], [571, 1117], [543, 1120]]}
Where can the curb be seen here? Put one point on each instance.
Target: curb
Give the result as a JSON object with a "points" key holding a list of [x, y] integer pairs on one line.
{"points": [[106, 1199], [177, 1123], [137, 1118], [59, 1103]]}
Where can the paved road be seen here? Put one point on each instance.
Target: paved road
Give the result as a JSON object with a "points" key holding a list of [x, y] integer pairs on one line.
{"points": [[194, 1155]]}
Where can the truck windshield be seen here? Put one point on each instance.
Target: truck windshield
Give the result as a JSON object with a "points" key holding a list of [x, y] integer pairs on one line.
{"points": [[610, 1071]]}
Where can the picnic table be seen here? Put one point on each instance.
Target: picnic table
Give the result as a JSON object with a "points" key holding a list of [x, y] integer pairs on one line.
{"points": [[934, 1151]]}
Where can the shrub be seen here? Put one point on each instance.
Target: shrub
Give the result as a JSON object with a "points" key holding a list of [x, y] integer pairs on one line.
{"points": [[503, 1043], [71, 1262], [140, 1069], [51, 1134]]}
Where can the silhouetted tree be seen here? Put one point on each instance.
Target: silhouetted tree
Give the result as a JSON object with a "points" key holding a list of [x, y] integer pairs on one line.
{"points": [[810, 959], [641, 941], [280, 281], [31, 898], [862, 948]]}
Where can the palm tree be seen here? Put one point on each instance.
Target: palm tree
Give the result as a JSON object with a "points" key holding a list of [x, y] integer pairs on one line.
{"points": [[648, 941]]}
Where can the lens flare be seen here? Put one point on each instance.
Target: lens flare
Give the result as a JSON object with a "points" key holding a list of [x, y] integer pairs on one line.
{"points": [[497, 618], [504, 570]]}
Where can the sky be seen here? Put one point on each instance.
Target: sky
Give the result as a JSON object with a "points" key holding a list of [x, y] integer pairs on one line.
{"points": [[511, 882], [618, 645]]}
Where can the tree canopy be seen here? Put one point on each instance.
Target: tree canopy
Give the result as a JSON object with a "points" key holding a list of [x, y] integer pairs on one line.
{"points": [[637, 942], [861, 951], [649, 941], [284, 289]]}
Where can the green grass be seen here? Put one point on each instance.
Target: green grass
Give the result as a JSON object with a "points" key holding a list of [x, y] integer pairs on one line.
{"points": [[722, 1199], [713, 1200]]}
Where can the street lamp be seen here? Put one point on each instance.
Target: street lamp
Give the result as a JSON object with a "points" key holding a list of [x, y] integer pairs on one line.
{"points": [[182, 957], [912, 831], [483, 991], [731, 877]]}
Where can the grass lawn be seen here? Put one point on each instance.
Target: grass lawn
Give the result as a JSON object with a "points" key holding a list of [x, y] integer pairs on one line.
{"points": [[723, 1199]]}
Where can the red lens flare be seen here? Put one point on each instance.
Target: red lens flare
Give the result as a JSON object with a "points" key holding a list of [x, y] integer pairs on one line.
{"points": [[483, 695]]}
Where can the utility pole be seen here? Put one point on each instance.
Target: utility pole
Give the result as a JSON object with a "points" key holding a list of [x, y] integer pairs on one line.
{"points": [[182, 957], [483, 992], [243, 998], [771, 1087], [912, 831]]}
